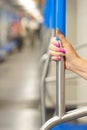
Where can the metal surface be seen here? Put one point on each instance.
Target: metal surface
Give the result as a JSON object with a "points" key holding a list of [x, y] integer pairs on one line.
{"points": [[60, 89], [53, 78], [67, 117], [43, 87], [60, 73], [44, 74]]}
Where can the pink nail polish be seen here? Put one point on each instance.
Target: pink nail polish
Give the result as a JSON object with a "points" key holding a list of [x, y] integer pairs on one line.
{"points": [[58, 58], [57, 45], [62, 50]]}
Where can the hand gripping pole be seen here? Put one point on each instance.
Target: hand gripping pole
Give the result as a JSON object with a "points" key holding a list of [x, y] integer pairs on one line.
{"points": [[61, 116]]}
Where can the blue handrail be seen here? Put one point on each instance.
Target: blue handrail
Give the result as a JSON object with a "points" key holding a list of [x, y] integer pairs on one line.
{"points": [[55, 15], [61, 16]]}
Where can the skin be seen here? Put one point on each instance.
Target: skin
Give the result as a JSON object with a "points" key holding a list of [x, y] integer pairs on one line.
{"points": [[73, 61]]}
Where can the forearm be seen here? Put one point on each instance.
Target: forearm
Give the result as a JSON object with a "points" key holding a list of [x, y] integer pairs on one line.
{"points": [[79, 66]]}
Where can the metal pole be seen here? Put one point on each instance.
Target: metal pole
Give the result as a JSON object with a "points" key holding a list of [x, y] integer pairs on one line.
{"points": [[43, 90], [45, 72], [75, 114], [60, 89], [56, 15], [43, 85], [60, 72]]}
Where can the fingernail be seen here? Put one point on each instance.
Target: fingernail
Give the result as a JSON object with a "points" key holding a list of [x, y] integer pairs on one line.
{"points": [[62, 50], [57, 45], [58, 58]]}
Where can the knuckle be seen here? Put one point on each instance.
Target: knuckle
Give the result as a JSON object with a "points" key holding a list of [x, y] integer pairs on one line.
{"points": [[50, 47], [50, 52], [53, 39], [52, 58]]}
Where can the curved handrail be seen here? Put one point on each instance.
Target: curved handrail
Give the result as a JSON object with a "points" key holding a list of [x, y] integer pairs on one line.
{"points": [[78, 113]]}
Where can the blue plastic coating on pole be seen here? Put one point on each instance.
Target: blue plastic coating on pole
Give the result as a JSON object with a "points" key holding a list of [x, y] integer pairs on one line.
{"points": [[50, 14], [53, 14], [61, 16]]}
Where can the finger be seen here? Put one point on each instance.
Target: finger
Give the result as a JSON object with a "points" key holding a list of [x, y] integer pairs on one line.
{"points": [[61, 37], [57, 54], [56, 58], [54, 48], [55, 42]]}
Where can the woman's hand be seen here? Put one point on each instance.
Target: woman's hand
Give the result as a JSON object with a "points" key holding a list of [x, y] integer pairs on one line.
{"points": [[56, 51]]}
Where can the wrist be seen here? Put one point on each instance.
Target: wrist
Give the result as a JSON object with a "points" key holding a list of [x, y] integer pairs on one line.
{"points": [[74, 64]]}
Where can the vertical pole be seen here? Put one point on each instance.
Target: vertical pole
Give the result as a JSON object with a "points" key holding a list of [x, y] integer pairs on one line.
{"points": [[60, 72], [50, 22], [43, 91]]}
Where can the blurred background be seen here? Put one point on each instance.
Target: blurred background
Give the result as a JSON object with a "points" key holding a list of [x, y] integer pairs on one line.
{"points": [[24, 41]]}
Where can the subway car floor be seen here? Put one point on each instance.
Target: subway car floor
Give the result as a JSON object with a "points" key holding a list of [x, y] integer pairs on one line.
{"points": [[20, 91]]}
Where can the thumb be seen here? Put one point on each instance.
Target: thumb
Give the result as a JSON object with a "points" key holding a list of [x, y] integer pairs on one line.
{"points": [[61, 37]]}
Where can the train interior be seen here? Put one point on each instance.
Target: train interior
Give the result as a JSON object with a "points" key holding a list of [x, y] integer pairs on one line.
{"points": [[24, 43]]}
